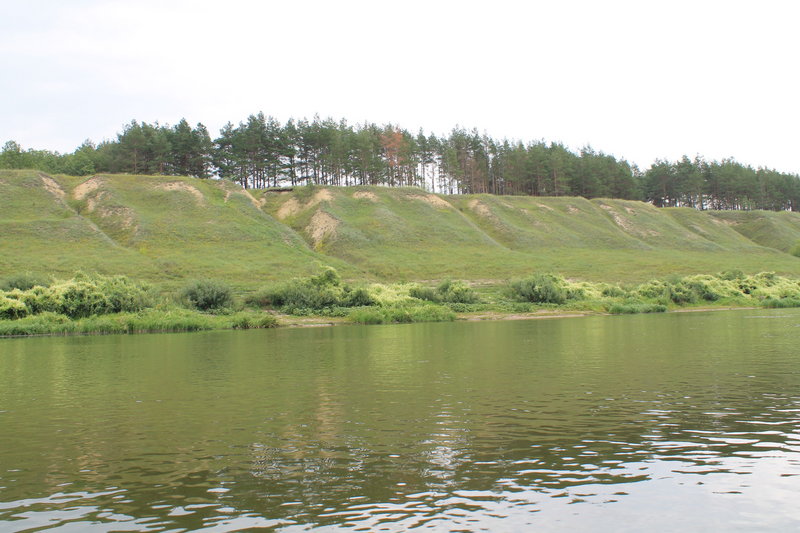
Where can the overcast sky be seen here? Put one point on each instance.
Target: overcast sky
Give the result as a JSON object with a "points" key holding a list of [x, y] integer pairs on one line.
{"points": [[639, 79]]}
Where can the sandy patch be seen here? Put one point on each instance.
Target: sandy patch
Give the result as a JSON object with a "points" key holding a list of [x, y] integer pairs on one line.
{"points": [[87, 187], [630, 210], [572, 209], [180, 186], [545, 207], [292, 206], [432, 200], [322, 195], [322, 225], [288, 208], [365, 195], [626, 224], [258, 204], [53, 187], [480, 208], [234, 188], [91, 202]]}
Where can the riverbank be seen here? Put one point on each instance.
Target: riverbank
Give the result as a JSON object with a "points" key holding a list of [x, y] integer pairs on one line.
{"points": [[150, 321], [183, 321], [97, 304]]}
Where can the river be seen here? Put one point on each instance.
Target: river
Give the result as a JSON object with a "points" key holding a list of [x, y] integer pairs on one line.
{"points": [[682, 421]]}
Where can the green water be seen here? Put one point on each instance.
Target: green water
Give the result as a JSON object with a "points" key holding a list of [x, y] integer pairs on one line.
{"points": [[637, 423]]}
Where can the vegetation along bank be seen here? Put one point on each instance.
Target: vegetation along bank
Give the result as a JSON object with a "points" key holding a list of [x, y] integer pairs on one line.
{"points": [[146, 244]]}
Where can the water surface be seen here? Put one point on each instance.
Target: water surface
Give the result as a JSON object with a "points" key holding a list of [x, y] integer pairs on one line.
{"points": [[659, 423]]}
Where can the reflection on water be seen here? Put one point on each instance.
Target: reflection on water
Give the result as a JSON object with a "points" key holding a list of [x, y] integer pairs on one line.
{"points": [[607, 423]]}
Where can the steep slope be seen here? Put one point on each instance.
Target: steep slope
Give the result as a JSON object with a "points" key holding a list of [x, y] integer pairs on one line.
{"points": [[159, 228], [393, 233], [407, 233], [41, 232], [774, 230], [168, 229]]}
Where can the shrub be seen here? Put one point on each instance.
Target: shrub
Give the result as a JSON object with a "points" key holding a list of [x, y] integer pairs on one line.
{"points": [[324, 291], [731, 275], [207, 295], [423, 293], [357, 298], [447, 291], [539, 288], [613, 291], [456, 292], [86, 295], [653, 289], [24, 282], [327, 278], [12, 309]]}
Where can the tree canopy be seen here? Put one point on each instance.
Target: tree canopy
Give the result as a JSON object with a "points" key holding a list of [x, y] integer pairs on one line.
{"points": [[262, 152]]}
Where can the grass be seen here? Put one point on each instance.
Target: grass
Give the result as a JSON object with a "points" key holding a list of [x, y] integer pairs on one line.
{"points": [[92, 303], [401, 314], [169, 230], [149, 321]]}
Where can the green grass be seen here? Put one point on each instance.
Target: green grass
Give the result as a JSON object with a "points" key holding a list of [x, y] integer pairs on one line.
{"points": [[149, 321], [169, 230], [401, 314]]}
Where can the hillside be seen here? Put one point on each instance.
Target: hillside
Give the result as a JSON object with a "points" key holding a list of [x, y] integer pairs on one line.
{"points": [[169, 229]]}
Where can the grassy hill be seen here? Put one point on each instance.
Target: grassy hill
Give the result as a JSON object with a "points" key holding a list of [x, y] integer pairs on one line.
{"points": [[168, 229]]}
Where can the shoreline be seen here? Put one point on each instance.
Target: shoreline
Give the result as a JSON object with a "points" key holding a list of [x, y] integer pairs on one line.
{"points": [[290, 321]]}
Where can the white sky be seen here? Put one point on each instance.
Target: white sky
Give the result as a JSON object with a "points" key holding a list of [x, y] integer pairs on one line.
{"points": [[637, 79]]}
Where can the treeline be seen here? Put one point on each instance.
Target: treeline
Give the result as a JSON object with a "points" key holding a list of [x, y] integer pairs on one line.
{"points": [[263, 152]]}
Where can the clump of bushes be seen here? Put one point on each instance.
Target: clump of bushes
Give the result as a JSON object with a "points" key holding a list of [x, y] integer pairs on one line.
{"points": [[207, 295], [149, 320], [448, 291], [324, 291], [24, 282], [82, 296], [12, 309], [542, 288]]}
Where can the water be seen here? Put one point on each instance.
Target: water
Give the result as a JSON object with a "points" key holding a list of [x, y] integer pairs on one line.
{"points": [[660, 423]]}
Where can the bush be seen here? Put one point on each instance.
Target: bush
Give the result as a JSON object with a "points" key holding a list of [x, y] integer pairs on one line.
{"points": [[85, 295], [539, 288], [680, 293], [613, 291], [456, 292], [446, 292], [324, 291], [423, 293], [207, 295], [11, 309], [24, 282], [731, 275], [357, 298]]}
